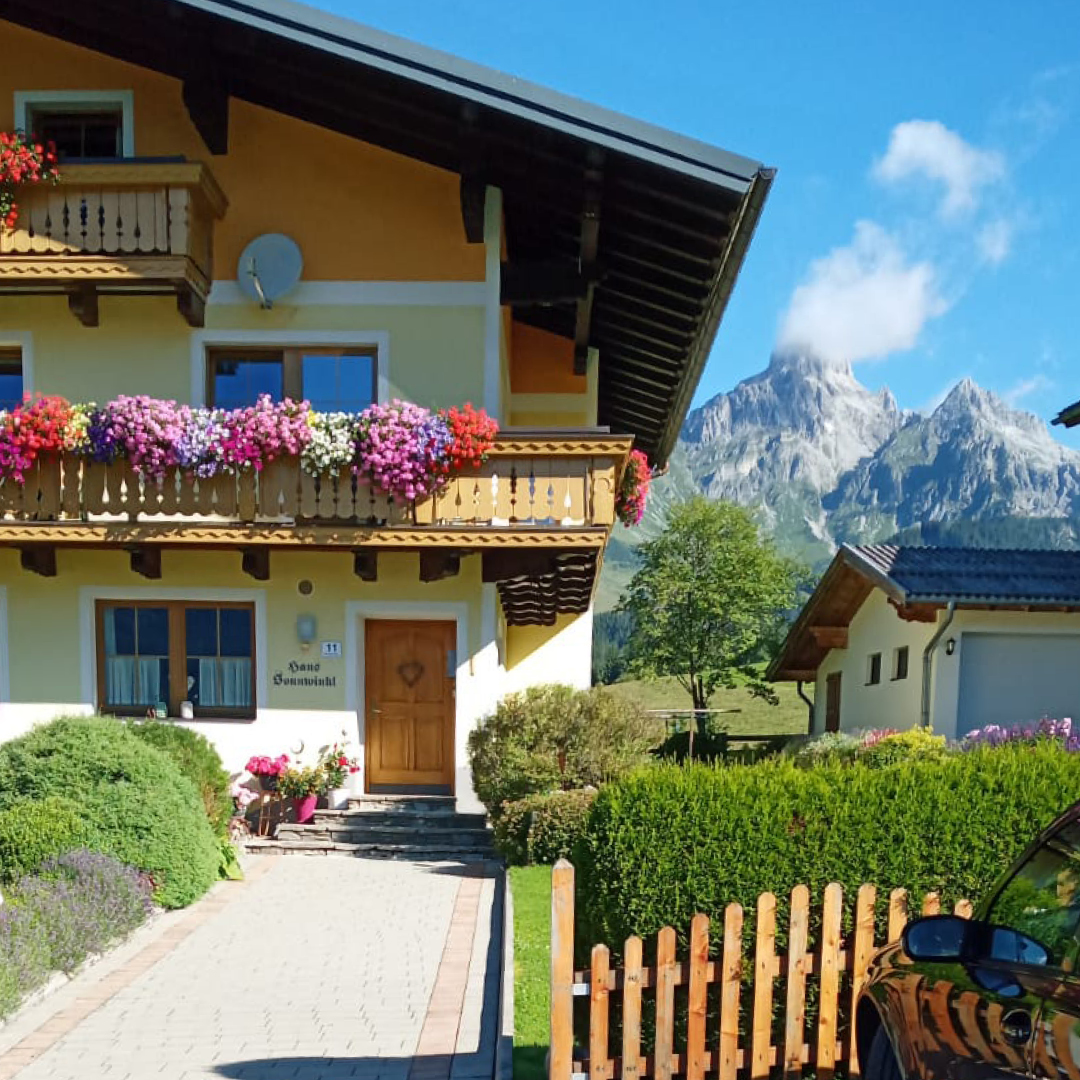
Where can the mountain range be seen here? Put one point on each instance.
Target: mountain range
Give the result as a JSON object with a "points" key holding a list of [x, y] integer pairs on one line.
{"points": [[820, 459]]}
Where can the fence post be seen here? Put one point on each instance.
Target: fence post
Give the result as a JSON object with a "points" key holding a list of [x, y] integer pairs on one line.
{"points": [[560, 1054]]}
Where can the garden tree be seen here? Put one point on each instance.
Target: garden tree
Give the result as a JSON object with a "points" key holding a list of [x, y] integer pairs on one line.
{"points": [[712, 597]]}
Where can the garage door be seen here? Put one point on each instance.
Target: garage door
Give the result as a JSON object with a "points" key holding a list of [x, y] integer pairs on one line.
{"points": [[1009, 679]]}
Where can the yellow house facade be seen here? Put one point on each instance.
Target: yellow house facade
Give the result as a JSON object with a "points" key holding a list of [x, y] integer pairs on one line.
{"points": [[457, 237]]}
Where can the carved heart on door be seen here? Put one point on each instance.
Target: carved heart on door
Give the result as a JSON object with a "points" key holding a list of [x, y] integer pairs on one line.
{"points": [[410, 672]]}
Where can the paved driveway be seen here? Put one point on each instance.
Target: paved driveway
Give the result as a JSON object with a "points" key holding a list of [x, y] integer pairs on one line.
{"points": [[314, 967]]}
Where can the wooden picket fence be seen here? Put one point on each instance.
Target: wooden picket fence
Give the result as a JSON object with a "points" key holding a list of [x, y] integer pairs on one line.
{"points": [[752, 1042]]}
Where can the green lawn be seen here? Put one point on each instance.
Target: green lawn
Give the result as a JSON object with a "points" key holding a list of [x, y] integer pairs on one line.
{"points": [[754, 716], [531, 887]]}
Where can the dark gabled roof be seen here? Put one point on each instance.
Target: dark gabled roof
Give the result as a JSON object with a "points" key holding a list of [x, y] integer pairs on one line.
{"points": [[919, 579], [675, 215], [933, 575]]}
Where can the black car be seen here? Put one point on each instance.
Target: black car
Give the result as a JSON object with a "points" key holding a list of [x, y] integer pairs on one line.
{"points": [[997, 995]]}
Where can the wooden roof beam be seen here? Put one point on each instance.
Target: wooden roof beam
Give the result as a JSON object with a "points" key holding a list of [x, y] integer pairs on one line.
{"points": [[830, 637], [590, 244]]}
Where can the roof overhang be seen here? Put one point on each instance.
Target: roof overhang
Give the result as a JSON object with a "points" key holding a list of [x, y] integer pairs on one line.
{"points": [[845, 586], [643, 230]]}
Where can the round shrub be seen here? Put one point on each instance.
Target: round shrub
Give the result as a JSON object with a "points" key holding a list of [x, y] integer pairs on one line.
{"points": [[552, 738], [199, 761], [541, 829], [32, 831], [135, 802], [665, 843]]}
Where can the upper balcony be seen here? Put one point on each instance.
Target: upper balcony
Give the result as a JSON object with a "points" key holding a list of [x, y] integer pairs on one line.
{"points": [[537, 490], [538, 512], [128, 226]]}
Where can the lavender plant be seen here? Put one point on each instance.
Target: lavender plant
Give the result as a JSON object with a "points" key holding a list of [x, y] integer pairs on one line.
{"points": [[78, 904]]}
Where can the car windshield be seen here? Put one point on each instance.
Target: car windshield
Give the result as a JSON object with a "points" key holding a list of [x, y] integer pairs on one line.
{"points": [[1042, 901]]}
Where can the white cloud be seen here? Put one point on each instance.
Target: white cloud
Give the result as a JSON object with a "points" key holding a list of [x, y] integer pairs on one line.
{"points": [[1026, 387], [862, 301], [928, 148], [994, 240]]}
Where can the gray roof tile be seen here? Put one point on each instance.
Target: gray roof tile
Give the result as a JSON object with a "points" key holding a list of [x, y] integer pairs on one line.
{"points": [[974, 575]]}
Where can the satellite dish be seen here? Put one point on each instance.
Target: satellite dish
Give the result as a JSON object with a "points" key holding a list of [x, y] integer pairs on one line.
{"points": [[269, 267]]}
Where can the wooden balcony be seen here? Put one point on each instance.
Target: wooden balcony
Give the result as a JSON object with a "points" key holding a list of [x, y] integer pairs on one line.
{"points": [[535, 488], [117, 227]]}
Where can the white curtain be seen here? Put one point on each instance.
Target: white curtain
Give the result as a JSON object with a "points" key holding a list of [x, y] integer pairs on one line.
{"points": [[225, 683], [129, 680]]}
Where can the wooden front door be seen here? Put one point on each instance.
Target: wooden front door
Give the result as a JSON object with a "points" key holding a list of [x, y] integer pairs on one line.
{"points": [[409, 697], [832, 701]]}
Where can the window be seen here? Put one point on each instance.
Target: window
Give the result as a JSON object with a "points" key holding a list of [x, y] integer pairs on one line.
{"points": [[873, 669], [86, 125], [1042, 901], [80, 135], [333, 380], [11, 378], [159, 653], [899, 663]]}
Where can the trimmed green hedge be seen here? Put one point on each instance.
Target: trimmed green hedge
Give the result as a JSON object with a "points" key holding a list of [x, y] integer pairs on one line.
{"points": [[542, 828], [135, 802], [668, 842], [199, 761], [32, 831]]}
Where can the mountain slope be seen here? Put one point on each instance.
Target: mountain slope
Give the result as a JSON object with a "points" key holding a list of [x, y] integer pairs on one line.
{"points": [[821, 460]]}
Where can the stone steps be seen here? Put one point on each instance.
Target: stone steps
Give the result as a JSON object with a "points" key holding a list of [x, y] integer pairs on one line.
{"points": [[388, 819], [425, 828], [413, 852]]}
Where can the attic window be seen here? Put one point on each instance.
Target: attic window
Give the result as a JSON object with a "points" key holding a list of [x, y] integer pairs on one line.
{"points": [[85, 125], [873, 669]]}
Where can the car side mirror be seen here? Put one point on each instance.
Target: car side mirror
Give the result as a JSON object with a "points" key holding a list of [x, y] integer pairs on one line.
{"points": [[945, 938], [938, 938]]}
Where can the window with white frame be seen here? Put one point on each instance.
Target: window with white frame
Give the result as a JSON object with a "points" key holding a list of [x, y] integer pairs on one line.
{"points": [[85, 125]]}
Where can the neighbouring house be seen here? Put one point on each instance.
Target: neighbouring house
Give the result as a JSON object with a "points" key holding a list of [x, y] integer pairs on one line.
{"points": [[953, 638], [267, 199]]}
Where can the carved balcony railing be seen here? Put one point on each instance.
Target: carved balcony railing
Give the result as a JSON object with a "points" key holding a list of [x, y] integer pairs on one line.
{"points": [[145, 226], [531, 481]]}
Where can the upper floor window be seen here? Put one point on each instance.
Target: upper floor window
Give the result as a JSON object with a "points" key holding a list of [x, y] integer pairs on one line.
{"points": [[11, 378], [333, 380], [84, 125], [78, 134]]}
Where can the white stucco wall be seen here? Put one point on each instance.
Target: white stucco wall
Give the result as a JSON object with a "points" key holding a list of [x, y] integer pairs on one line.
{"points": [[896, 703], [890, 703]]}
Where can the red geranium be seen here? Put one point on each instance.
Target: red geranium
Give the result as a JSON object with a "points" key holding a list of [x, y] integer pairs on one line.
{"points": [[31, 429], [472, 434], [634, 489], [22, 161]]}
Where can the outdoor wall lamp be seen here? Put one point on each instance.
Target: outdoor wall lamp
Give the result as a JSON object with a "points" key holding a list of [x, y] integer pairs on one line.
{"points": [[950, 646], [307, 629]]}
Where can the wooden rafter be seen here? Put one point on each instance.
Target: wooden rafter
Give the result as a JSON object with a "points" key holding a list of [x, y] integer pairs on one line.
{"points": [[830, 637]]}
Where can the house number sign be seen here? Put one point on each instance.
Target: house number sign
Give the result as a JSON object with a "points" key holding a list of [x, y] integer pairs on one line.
{"points": [[331, 650]]}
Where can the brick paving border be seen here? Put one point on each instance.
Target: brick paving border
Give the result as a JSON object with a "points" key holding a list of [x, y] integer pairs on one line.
{"points": [[435, 1048], [32, 1046]]}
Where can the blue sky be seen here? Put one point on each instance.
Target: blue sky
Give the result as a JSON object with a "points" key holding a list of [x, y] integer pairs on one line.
{"points": [[925, 212]]}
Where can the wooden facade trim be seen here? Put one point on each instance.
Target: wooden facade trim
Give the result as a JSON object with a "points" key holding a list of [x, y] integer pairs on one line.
{"points": [[179, 534]]}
